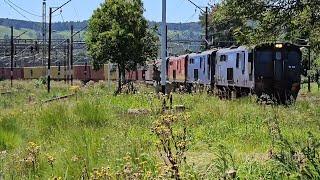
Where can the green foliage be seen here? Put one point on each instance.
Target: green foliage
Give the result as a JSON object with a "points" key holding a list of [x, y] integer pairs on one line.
{"points": [[269, 20], [118, 33], [40, 82]]}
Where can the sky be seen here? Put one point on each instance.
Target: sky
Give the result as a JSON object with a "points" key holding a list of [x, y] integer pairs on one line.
{"points": [[78, 10]]}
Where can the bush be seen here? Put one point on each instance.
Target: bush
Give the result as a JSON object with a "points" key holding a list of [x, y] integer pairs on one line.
{"points": [[40, 82]]}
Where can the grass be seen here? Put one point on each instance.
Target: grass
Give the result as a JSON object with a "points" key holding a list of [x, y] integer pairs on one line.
{"points": [[79, 136], [5, 31]]}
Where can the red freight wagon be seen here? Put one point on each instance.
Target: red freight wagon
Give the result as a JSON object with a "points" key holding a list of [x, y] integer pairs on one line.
{"points": [[132, 75], [81, 72], [177, 69], [138, 75], [5, 73], [141, 74], [97, 75]]}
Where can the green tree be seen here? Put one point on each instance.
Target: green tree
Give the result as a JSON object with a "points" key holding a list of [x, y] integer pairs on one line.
{"points": [[118, 33], [269, 20], [256, 21]]}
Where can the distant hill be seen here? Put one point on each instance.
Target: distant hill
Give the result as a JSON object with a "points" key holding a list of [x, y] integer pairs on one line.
{"points": [[191, 31], [61, 30]]}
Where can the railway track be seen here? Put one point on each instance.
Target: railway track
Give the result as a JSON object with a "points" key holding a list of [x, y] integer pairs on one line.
{"points": [[7, 92], [58, 98]]}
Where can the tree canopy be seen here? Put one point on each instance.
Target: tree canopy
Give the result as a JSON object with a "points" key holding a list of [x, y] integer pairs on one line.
{"points": [[118, 33], [256, 21], [252, 21]]}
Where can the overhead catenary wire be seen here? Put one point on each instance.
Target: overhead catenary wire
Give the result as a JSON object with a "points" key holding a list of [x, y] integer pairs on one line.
{"points": [[61, 16], [196, 6], [14, 7], [17, 10], [195, 12], [26, 11]]}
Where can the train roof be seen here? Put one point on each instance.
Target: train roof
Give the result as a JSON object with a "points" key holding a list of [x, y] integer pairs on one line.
{"points": [[178, 57], [233, 49], [209, 51], [275, 44]]}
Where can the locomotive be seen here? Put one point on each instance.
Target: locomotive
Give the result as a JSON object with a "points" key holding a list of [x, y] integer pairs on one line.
{"points": [[272, 69]]}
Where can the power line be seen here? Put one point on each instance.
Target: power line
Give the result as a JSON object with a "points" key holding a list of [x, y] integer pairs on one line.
{"points": [[17, 10], [33, 14], [196, 5], [195, 12], [61, 16]]}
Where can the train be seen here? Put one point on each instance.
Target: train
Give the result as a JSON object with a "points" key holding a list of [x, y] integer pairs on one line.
{"points": [[83, 73], [269, 69], [272, 69]]}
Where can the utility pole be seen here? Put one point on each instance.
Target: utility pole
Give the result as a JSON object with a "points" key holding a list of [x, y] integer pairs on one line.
{"points": [[164, 47], [206, 30], [68, 60], [309, 67], [71, 55], [109, 74], [49, 46], [167, 41], [33, 53], [12, 56], [44, 31], [49, 49], [65, 62]]}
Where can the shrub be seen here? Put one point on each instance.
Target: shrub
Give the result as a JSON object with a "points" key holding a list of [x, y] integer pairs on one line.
{"points": [[173, 136]]}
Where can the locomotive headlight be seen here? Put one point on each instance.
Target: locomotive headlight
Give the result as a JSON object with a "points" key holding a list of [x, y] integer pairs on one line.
{"points": [[279, 46]]}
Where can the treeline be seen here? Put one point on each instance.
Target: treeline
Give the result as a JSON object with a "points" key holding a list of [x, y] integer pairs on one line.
{"points": [[192, 26], [65, 26], [37, 26]]}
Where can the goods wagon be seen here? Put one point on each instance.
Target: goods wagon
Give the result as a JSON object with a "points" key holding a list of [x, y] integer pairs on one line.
{"points": [[34, 72], [81, 73], [96, 75], [111, 70], [58, 72], [5, 73]]}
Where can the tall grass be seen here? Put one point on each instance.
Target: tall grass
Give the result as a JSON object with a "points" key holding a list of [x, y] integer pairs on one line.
{"points": [[92, 135]]}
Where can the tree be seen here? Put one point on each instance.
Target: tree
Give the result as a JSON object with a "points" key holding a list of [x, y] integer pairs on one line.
{"points": [[221, 24], [118, 33], [269, 19], [256, 21]]}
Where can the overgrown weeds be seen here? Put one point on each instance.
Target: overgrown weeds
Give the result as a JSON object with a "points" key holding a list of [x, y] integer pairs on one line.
{"points": [[94, 137]]}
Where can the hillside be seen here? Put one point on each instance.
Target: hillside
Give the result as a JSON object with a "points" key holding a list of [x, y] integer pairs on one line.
{"points": [[190, 31]]}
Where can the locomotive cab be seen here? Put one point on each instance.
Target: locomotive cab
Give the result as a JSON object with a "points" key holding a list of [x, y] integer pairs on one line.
{"points": [[277, 71]]}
